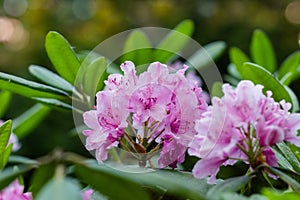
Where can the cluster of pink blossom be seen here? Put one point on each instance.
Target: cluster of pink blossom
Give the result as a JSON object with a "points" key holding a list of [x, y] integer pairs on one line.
{"points": [[13, 140], [242, 125], [157, 107], [15, 192]]}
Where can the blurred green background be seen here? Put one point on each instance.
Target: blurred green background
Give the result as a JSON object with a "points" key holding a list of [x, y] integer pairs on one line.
{"points": [[85, 23]]}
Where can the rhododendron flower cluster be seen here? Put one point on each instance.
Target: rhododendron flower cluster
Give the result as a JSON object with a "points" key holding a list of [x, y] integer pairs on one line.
{"points": [[15, 192], [13, 140], [242, 125], [143, 114]]}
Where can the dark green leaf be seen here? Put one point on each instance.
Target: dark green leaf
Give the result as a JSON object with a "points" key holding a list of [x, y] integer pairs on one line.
{"points": [[29, 88], [137, 49], [235, 196], [50, 78], [174, 42], [30, 119], [5, 131], [238, 58], [286, 178], [107, 181], [282, 161], [62, 56], [5, 98], [40, 177], [206, 55], [262, 51], [259, 75], [228, 185], [11, 173], [289, 155], [60, 189], [290, 65]]}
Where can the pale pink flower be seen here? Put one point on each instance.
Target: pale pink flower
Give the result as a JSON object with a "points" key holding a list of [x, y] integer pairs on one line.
{"points": [[15, 191], [87, 194], [158, 107], [243, 120]]}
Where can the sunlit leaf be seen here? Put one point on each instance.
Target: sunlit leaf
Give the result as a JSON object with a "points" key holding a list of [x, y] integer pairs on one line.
{"points": [[174, 42], [29, 88], [137, 49], [238, 58], [5, 155], [290, 65], [216, 90], [62, 56], [206, 55], [5, 98], [50, 78], [30, 119], [279, 195], [262, 51], [5, 131], [54, 103], [259, 75]]}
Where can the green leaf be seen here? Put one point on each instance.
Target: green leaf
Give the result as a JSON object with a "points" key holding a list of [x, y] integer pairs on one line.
{"points": [[290, 65], [216, 90], [5, 98], [50, 78], [29, 88], [30, 119], [259, 75], [94, 75], [228, 185], [137, 49], [232, 70], [289, 155], [5, 155], [206, 55], [62, 56], [238, 58], [9, 174], [286, 178], [279, 195], [41, 177], [282, 161], [262, 51], [22, 160], [294, 99], [107, 181], [179, 184], [60, 188], [54, 103], [174, 42], [235, 196], [5, 131]]}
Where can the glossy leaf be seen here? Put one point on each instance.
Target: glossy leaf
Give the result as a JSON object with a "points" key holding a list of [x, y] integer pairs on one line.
{"points": [[228, 185], [206, 55], [5, 98], [289, 155], [54, 103], [107, 181], [262, 51], [29, 88], [60, 188], [238, 58], [5, 155], [282, 161], [5, 131], [30, 119], [62, 56], [9, 174], [286, 178], [174, 42], [232, 70], [50, 78], [13, 159], [93, 76], [290, 65], [137, 49], [259, 75]]}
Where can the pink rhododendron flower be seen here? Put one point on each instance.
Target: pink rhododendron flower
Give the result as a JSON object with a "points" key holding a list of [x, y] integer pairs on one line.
{"points": [[15, 192], [142, 114], [13, 140], [242, 125], [87, 194]]}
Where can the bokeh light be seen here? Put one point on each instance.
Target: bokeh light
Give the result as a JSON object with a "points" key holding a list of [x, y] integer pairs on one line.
{"points": [[292, 12]]}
